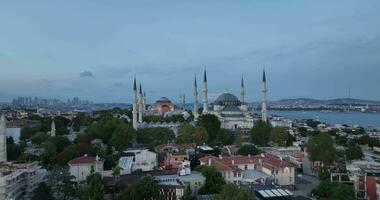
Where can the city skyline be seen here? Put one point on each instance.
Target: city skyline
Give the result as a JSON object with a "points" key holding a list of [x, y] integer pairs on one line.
{"points": [[321, 50]]}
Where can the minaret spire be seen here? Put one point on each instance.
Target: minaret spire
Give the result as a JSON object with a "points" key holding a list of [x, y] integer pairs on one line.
{"points": [[264, 115], [134, 105], [242, 92], [195, 112], [52, 129], [3, 139], [204, 93], [141, 104], [180, 101], [144, 102], [183, 101]]}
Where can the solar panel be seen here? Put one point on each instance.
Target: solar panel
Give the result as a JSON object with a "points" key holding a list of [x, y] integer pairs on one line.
{"points": [[270, 193], [287, 191], [276, 192], [264, 194], [283, 192]]}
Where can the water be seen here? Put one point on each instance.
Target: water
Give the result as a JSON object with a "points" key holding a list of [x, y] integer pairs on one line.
{"points": [[349, 118]]}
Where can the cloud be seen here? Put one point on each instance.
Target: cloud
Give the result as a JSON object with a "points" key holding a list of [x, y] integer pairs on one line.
{"points": [[85, 74]]}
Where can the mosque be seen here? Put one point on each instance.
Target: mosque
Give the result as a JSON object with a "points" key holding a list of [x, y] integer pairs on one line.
{"points": [[232, 112]]}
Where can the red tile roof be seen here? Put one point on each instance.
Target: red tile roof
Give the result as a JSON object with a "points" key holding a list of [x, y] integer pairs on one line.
{"points": [[267, 160], [85, 160]]}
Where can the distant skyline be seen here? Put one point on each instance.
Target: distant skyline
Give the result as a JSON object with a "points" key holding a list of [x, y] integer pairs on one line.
{"points": [[91, 49]]}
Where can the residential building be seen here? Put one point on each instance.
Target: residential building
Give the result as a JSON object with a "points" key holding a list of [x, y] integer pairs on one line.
{"points": [[233, 168], [18, 181], [81, 167]]}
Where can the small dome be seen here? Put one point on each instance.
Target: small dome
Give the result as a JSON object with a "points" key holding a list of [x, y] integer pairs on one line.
{"points": [[163, 100]]}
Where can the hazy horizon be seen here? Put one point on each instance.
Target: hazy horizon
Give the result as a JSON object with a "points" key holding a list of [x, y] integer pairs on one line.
{"points": [[92, 49]]}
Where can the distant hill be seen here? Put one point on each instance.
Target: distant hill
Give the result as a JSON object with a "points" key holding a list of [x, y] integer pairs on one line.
{"points": [[329, 101]]}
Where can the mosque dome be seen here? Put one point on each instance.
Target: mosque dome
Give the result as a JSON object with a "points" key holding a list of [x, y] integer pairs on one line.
{"points": [[163, 100], [227, 99]]}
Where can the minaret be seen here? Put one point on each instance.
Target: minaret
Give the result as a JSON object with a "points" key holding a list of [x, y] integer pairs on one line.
{"points": [[180, 102], [144, 102], [204, 93], [195, 112], [264, 116], [3, 139], [183, 102], [141, 105], [52, 129], [242, 93], [134, 105]]}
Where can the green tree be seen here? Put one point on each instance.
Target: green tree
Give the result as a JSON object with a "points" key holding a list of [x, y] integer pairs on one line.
{"points": [[232, 192], [239, 137], [279, 136], [28, 131], [60, 142], [67, 154], [225, 136], [186, 133], [49, 154], [336, 191], [260, 133], [212, 125], [354, 152], [200, 135], [144, 189], [116, 175], [214, 180], [188, 194], [312, 123], [321, 148], [324, 174], [68, 188], [93, 189], [42, 192], [14, 150], [248, 150], [154, 136], [122, 136], [39, 138]]}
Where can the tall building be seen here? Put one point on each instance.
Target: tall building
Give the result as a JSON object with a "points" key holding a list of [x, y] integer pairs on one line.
{"points": [[3, 139], [264, 115], [204, 93], [195, 112], [134, 105]]}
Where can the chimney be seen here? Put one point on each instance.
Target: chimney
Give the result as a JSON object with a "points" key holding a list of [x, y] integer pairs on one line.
{"points": [[249, 155], [85, 155], [262, 155], [220, 156], [233, 162], [260, 161], [209, 161], [97, 158]]}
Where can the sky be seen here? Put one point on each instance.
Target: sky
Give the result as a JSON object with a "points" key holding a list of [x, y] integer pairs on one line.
{"points": [[91, 49]]}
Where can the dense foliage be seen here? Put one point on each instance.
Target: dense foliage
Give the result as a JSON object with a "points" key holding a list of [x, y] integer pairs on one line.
{"points": [[336, 191], [212, 125], [248, 150], [214, 180], [260, 133], [232, 192], [144, 189], [321, 148]]}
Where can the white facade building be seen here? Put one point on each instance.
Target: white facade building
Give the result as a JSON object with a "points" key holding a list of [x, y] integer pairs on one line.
{"points": [[81, 167], [143, 159]]}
